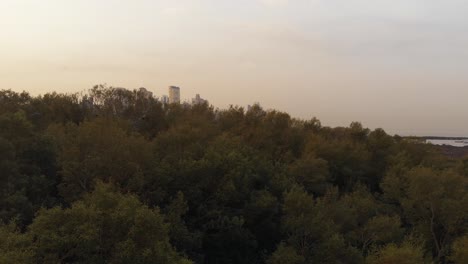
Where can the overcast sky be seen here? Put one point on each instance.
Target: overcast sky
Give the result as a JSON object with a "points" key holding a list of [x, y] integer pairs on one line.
{"points": [[397, 64]]}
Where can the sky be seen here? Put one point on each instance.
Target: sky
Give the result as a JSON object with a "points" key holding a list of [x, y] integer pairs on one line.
{"points": [[401, 65]]}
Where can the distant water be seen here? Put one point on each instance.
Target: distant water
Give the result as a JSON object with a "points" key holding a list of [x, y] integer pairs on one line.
{"points": [[450, 142]]}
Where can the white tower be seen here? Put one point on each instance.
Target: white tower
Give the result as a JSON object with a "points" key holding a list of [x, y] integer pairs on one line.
{"points": [[174, 95]]}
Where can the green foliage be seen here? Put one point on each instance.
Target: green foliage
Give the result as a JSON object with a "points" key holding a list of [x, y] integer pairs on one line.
{"points": [[105, 226], [82, 177], [406, 253], [181, 237], [312, 173], [27, 168], [434, 202], [460, 250], [285, 255], [14, 246], [99, 150], [312, 233], [348, 160]]}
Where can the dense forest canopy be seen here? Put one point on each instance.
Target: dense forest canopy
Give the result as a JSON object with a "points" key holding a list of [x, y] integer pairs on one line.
{"points": [[112, 176]]}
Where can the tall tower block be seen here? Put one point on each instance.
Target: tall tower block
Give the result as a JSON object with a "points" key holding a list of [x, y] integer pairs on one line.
{"points": [[174, 95]]}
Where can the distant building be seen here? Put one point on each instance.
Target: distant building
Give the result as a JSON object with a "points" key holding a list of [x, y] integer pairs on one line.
{"points": [[87, 102], [198, 100], [174, 95], [145, 93], [164, 99]]}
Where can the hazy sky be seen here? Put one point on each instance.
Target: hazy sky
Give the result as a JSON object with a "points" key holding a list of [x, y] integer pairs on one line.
{"points": [[397, 64]]}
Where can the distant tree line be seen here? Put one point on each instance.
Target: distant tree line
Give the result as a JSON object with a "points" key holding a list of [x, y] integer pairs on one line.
{"points": [[111, 176]]}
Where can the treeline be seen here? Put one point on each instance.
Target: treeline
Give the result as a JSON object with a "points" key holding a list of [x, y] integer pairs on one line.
{"points": [[113, 176]]}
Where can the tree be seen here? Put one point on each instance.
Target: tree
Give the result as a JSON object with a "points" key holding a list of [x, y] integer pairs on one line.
{"points": [[312, 233], [56, 108], [348, 160], [181, 237], [262, 218], [312, 173], [11, 102], [380, 230], [434, 203], [406, 253], [381, 147], [460, 250], [105, 227], [28, 168], [285, 255], [14, 246], [100, 150]]}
